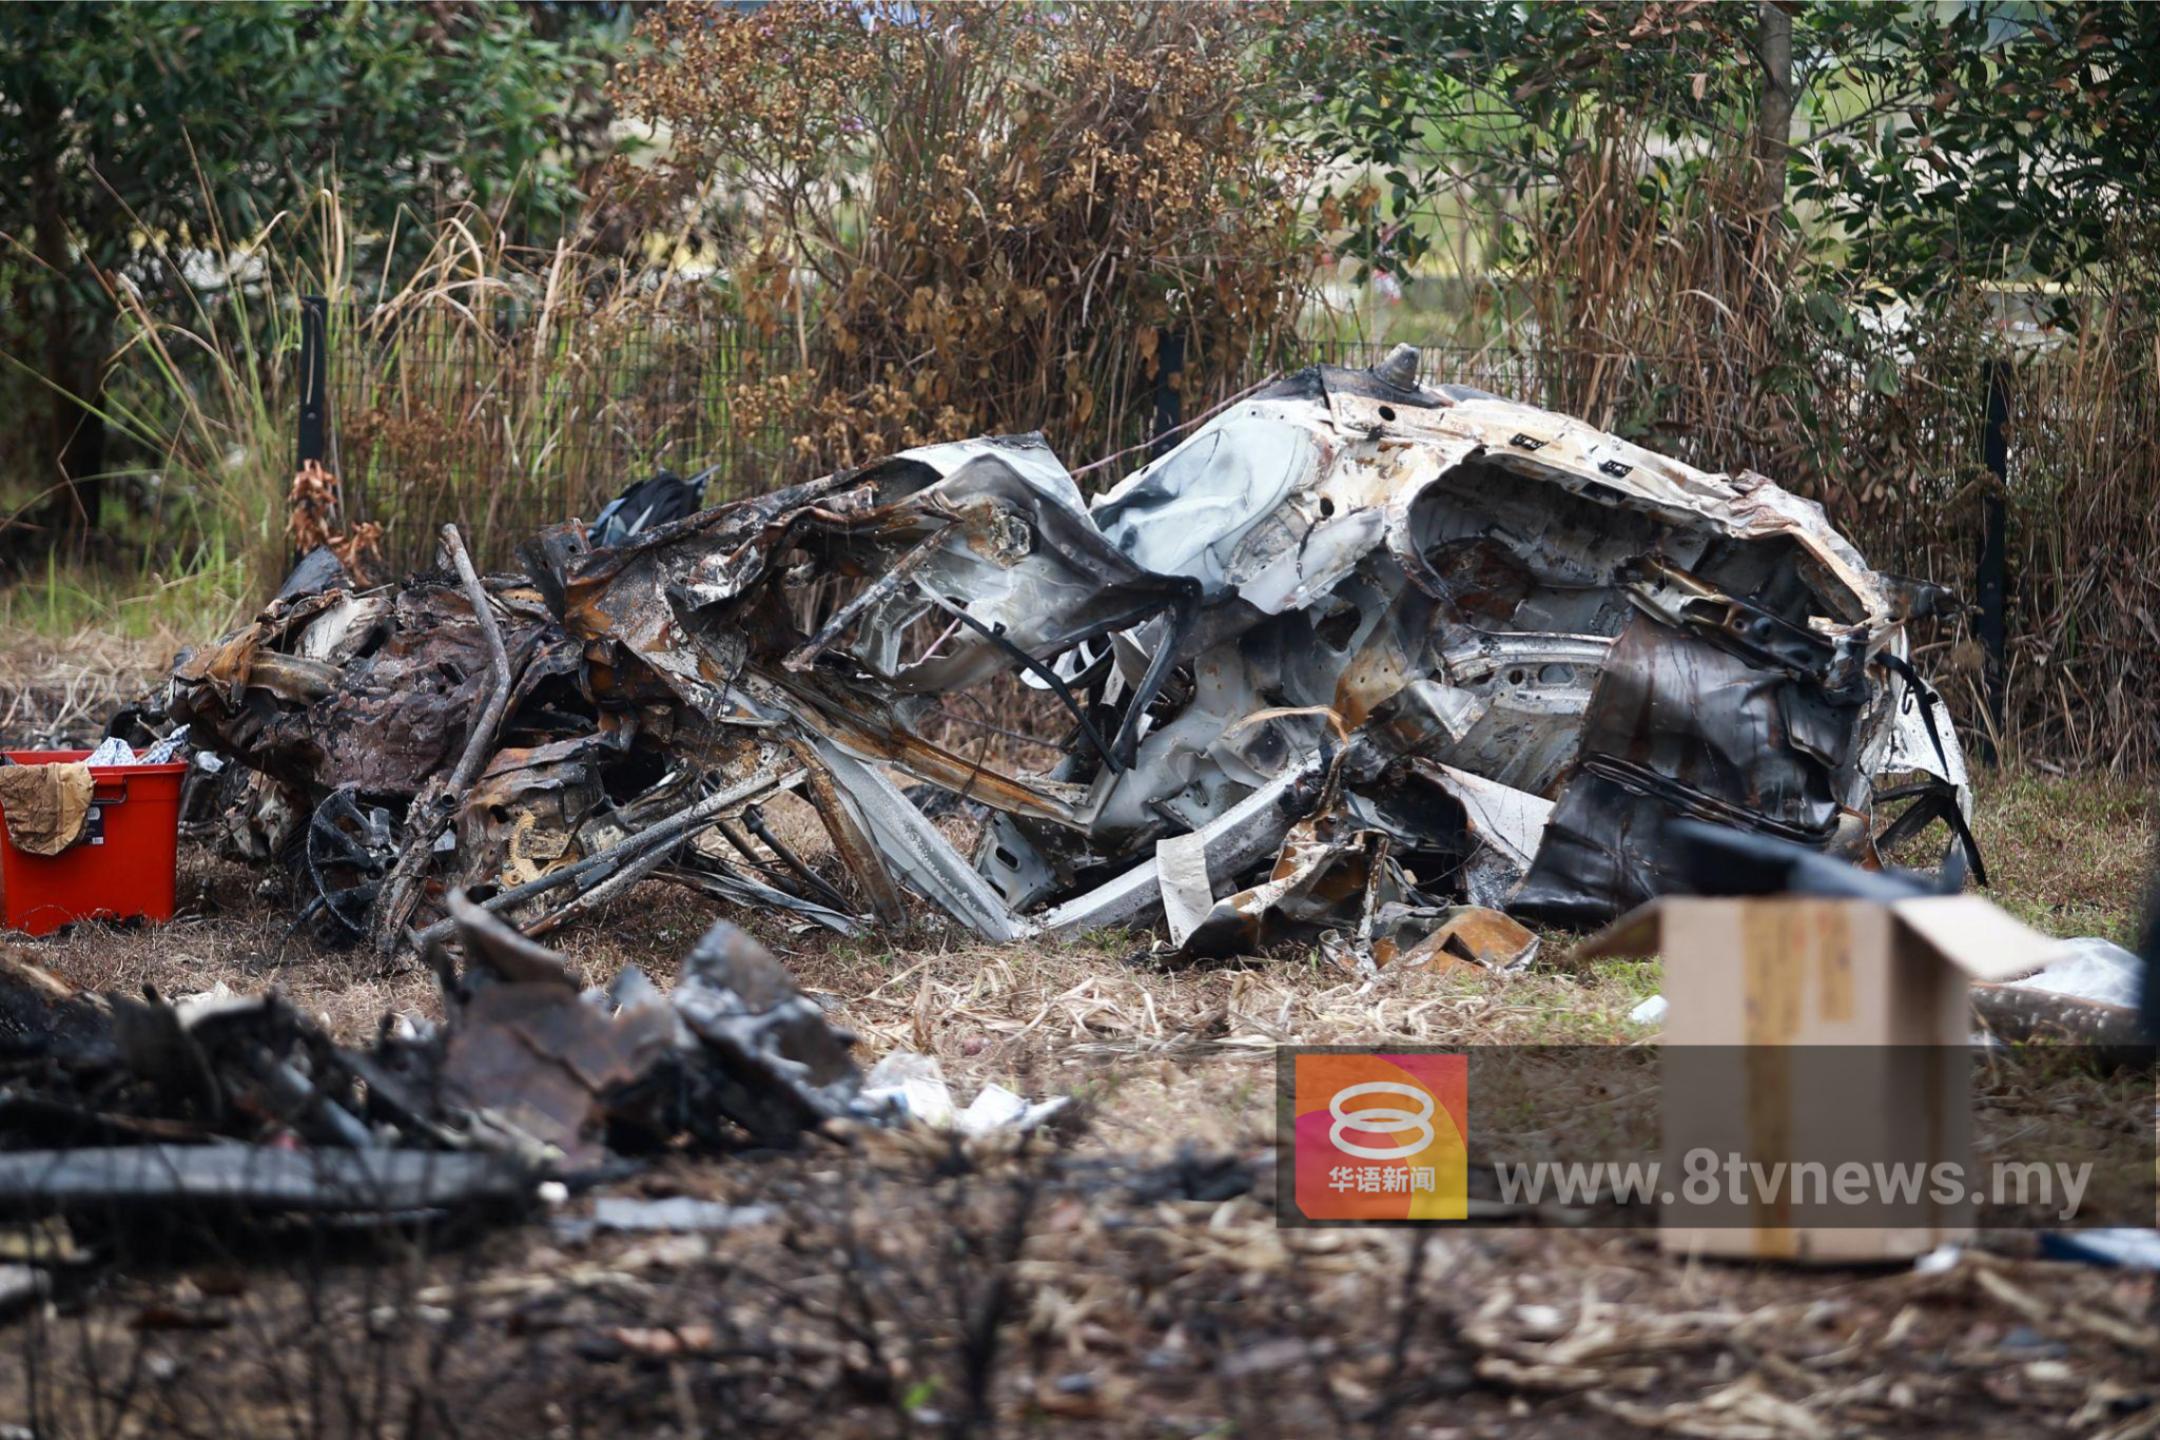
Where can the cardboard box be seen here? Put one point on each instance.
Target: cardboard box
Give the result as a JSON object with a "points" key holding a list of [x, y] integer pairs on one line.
{"points": [[1822, 1032]]}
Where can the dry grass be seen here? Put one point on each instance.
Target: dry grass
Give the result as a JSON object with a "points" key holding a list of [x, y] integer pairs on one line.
{"points": [[2071, 855], [858, 1307], [970, 219], [2084, 531], [1182, 1056], [65, 689], [1165, 1056]]}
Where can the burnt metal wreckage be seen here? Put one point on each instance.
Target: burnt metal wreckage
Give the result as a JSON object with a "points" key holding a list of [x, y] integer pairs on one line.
{"points": [[225, 1105], [1355, 656]]}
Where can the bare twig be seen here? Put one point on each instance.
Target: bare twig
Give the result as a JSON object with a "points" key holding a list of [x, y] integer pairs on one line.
{"points": [[431, 812]]}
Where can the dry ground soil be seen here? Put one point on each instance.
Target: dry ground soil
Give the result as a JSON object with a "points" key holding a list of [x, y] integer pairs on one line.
{"points": [[1122, 1276]]}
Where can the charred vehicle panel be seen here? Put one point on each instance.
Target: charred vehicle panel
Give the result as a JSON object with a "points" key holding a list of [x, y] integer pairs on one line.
{"points": [[1356, 652]]}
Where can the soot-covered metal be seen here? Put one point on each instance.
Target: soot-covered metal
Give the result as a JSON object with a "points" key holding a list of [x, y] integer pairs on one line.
{"points": [[1357, 653]]}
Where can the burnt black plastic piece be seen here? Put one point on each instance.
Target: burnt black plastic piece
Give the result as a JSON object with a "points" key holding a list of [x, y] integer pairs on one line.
{"points": [[1718, 860]]}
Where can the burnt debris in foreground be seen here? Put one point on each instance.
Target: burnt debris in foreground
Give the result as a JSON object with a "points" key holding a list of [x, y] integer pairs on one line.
{"points": [[1356, 655], [242, 1107]]}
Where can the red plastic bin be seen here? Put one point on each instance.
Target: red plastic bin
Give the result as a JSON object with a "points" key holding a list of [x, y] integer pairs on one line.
{"points": [[125, 868]]}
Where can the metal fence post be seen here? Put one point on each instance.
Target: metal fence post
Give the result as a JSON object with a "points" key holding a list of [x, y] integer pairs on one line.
{"points": [[1990, 583], [314, 377], [1169, 402]]}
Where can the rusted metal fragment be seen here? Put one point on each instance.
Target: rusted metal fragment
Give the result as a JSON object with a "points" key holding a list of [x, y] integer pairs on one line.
{"points": [[1187, 892], [910, 844], [240, 1103], [542, 1069], [381, 707], [1473, 935], [293, 678], [752, 894], [1234, 842], [495, 953], [851, 837], [1509, 822], [403, 715], [855, 727], [1327, 873]]}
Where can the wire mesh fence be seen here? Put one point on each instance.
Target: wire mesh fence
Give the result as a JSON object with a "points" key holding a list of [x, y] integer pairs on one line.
{"points": [[433, 419], [431, 423]]}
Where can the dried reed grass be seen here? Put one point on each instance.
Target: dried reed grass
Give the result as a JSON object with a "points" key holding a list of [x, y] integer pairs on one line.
{"points": [[982, 218], [65, 690]]}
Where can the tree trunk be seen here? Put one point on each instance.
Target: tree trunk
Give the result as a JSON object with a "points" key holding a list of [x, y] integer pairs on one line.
{"points": [[1773, 117], [75, 435]]}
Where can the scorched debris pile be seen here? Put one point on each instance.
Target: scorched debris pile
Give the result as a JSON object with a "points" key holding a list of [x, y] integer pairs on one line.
{"points": [[1355, 654], [241, 1104]]}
